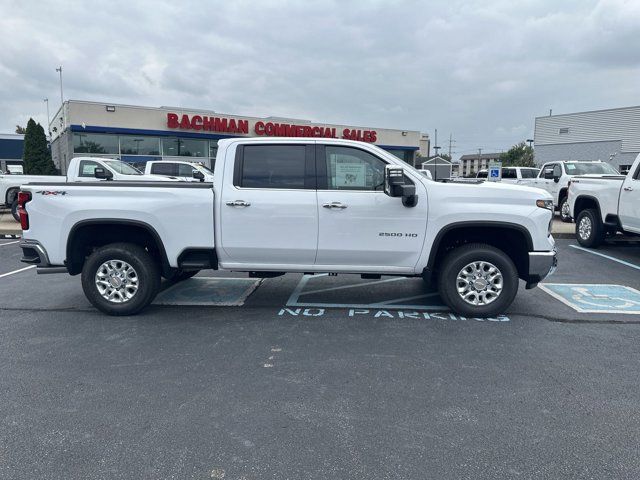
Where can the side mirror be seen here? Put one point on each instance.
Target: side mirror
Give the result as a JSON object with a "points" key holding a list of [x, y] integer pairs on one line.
{"points": [[198, 175], [548, 174], [556, 178], [102, 173], [395, 186]]}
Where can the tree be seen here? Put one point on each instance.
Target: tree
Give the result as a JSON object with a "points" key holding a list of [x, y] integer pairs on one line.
{"points": [[520, 155], [36, 156], [20, 130]]}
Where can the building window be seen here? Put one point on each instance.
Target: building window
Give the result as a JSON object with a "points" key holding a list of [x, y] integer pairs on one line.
{"points": [[184, 147], [213, 148], [563, 130], [139, 145], [95, 143]]}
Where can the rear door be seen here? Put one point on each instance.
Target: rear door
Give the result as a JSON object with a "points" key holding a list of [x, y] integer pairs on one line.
{"points": [[269, 212], [629, 204], [359, 225]]}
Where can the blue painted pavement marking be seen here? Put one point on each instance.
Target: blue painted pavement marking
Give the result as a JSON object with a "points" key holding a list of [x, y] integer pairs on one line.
{"points": [[598, 298]]}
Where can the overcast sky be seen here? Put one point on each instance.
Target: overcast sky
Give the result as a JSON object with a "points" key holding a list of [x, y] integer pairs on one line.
{"points": [[481, 71]]}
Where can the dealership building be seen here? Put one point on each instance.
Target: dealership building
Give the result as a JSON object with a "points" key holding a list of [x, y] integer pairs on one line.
{"points": [[611, 135], [138, 134]]}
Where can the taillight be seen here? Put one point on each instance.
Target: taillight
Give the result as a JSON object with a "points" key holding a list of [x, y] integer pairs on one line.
{"points": [[23, 198]]}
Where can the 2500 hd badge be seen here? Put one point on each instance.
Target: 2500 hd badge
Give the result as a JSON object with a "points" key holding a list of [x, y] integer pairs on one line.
{"points": [[397, 234]]}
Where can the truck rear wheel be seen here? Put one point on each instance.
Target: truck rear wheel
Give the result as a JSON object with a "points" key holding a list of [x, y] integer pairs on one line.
{"points": [[565, 210], [120, 279], [590, 231], [478, 280], [14, 210]]}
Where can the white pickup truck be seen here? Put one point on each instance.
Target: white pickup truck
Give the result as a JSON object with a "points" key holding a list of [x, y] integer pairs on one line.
{"points": [[554, 177], [605, 204], [81, 169], [183, 170], [292, 205]]}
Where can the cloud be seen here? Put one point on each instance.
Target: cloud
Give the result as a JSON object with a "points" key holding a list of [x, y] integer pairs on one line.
{"points": [[479, 70]]}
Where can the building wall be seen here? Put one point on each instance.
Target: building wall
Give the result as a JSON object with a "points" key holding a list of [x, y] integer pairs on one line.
{"points": [[608, 135], [77, 117]]}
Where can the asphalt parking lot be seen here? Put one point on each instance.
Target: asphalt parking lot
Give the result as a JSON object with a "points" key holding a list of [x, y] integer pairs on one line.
{"points": [[323, 377]]}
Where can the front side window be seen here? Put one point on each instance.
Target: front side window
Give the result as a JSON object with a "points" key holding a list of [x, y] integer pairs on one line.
{"points": [[546, 171], [557, 171], [95, 143], [87, 168], [185, 170], [482, 174], [353, 169], [273, 166]]}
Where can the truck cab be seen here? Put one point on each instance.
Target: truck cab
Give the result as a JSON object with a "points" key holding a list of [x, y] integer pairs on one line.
{"points": [[554, 177]]}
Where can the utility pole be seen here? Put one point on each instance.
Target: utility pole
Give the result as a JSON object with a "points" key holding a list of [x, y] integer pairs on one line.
{"points": [[435, 166], [451, 142], [59, 69], [46, 100]]}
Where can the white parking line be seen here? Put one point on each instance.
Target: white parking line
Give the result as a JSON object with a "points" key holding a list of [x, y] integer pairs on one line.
{"points": [[17, 271], [9, 243], [628, 264]]}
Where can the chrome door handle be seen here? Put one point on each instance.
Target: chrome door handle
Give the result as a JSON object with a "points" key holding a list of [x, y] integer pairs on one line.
{"points": [[628, 189], [334, 205], [238, 203]]}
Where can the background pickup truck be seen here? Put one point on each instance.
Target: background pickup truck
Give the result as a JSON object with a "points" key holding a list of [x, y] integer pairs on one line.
{"points": [[292, 205], [81, 169], [554, 178], [183, 170], [606, 204]]}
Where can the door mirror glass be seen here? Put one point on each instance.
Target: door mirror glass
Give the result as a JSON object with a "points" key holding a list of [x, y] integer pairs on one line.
{"points": [[102, 173]]}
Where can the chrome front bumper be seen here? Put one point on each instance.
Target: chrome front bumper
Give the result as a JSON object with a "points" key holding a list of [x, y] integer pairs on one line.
{"points": [[541, 265]]}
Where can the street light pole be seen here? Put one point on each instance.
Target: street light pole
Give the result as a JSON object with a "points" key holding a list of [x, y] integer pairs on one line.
{"points": [[59, 69], [46, 100]]}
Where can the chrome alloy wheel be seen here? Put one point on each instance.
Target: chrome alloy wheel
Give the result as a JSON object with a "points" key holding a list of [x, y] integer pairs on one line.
{"points": [[564, 212], [584, 228], [479, 283], [117, 281]]}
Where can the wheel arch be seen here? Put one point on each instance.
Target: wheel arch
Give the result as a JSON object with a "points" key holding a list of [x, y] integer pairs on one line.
{"points": [[584, 202], [88, 234], [515, 240]]}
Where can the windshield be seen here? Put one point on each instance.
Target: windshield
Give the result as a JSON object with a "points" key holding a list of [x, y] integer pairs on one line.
{"points": [[597, 168], [121, 167]]}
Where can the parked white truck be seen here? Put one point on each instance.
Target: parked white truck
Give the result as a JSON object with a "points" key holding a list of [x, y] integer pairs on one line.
{"points": [[605, 204], [292, 205], [81, 169], [554, 177], [181, 169]]}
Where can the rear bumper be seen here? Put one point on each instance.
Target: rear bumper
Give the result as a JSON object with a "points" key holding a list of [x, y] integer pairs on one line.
{"points": [[541, 265], [34, 253]]}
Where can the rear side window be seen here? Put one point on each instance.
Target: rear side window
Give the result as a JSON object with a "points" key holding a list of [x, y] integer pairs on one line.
{"points": [[163, 169], [529, 173], [509, 173], [273, 166], [482, 174]]}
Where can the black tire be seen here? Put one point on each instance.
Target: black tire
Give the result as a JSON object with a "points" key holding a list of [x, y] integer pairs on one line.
{"points": [[565, 213], [14, 210], [461, 257], [143, 264], [590, 230]]}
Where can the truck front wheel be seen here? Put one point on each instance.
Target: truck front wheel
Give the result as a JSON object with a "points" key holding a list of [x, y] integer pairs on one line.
{"points": [[565, 210], [478, 280], [590, 231], [120, 279]]}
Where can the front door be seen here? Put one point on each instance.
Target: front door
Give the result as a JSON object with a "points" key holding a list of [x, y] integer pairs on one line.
{"points": [[359, 225], [268, 210], [629, 206]]}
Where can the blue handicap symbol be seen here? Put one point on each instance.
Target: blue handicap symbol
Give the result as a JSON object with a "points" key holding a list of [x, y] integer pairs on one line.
{"points": [[495, 173], [588, 298]]}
